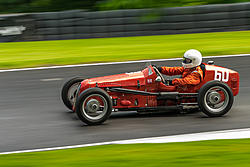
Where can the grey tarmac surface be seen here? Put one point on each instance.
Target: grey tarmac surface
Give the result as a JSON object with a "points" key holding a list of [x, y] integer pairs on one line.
{"points": [[32, 114]]}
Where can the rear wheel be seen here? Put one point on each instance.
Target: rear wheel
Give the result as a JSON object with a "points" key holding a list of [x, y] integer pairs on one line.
{"points": [[93, 106], [215, 98], [69, 90]]}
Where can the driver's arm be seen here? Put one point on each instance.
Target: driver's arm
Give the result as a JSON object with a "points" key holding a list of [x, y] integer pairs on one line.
{"points": [[192, 79], [171, 70]]}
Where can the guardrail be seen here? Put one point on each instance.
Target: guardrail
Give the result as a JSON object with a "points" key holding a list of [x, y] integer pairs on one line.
{"points": [[78, 24]]}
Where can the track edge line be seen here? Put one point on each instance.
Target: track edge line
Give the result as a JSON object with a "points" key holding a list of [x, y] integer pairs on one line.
{"points": [[202, 136], [112, 63]]}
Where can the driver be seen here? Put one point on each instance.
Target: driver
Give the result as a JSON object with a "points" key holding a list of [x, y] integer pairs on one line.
{"points": [[191, 71]]}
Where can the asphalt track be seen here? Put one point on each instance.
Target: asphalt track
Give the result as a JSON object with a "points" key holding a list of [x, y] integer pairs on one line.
{"points": [[33, 116]]}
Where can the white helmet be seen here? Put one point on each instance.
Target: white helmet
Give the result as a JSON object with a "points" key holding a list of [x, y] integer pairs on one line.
{"points": [[192, 58]]}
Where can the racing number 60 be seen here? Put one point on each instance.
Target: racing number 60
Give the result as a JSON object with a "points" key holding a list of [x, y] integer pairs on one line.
{"points": [[221, 75]]}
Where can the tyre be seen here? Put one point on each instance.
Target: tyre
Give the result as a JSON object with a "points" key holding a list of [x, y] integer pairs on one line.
{"points": [[69, 90], [215, 98], [93, 106]]}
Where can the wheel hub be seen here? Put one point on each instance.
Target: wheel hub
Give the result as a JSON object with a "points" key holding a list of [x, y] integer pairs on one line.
{"points": [[92, 106], [214, 98]]}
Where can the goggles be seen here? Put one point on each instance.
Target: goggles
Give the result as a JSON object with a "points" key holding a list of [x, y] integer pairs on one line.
{"points": [[186, 60]]}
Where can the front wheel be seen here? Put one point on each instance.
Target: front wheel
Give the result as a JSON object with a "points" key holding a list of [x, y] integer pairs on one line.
{"points": [[93, 106], [215, 98]]}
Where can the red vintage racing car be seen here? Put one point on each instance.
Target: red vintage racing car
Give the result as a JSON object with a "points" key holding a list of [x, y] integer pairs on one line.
{"points": [[94, 99]]}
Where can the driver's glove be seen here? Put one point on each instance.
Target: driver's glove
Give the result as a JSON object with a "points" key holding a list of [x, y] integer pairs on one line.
{"points": [[175, 82]]}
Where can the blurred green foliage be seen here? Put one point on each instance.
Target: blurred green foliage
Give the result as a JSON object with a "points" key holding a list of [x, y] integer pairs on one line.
{"points": [[134, 4], [14, 6]]}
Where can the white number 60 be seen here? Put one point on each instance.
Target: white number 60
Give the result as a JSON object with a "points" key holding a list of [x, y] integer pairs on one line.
{"points": [[221, 75]]}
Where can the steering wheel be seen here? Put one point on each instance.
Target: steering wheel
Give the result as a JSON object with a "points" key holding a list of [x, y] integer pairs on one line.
{"points": [[159, 74]]}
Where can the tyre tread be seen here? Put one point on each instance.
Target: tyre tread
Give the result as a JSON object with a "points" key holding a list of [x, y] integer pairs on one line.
{"points": [[203, 91], [81, 98]]}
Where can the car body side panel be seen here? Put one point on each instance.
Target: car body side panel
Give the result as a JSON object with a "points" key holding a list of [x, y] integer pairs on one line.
{"points": [[228, 76], [145, 81]]}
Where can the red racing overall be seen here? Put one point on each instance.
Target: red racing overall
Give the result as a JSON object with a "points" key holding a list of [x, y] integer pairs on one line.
{"points": [[190, 76]]}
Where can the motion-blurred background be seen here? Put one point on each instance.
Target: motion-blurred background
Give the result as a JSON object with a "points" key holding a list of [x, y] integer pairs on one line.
{"points": [[35, 33], [78, 19], [24, 6]]}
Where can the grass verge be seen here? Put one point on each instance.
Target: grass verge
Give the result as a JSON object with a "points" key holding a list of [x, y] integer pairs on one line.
{"points": [[203, 153], [47, 53]]}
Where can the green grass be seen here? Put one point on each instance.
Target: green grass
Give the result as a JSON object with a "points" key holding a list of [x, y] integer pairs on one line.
{"points": [[47, 53], [219, 153]]}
